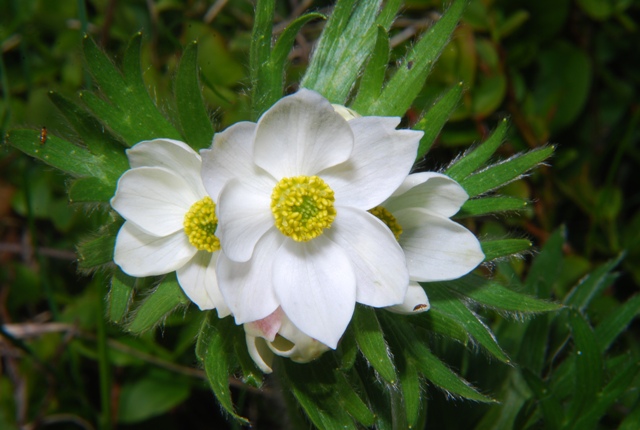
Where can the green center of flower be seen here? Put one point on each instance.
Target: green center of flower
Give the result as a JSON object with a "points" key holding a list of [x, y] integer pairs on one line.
{"points": [[302, 207], [390, 221], [200, 225]]}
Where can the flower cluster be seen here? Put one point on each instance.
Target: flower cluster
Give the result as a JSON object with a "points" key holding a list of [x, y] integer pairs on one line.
{"points": [[287, 223]]}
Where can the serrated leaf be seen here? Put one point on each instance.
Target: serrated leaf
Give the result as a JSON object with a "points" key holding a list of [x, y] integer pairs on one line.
{"points": [[476, 158], [490, 205], [216, 351], [344, 46], [588, 366], [374, 72], [502, 248], [592, 285], [192, 113], [436, 117], [371, 342], [162, 301], [502, 173], [56, 152], [120, 296], [616, 322], [409, 78], [90, 190], [496, 296], [448, 302]]}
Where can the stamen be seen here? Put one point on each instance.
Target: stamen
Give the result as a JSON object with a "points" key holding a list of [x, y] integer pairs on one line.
{"points": [[302, 207], [390, 221], [200, 225]]}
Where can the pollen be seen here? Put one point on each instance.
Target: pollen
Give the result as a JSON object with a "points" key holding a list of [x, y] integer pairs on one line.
{"points": [[388, 219], [302, 207], [200, 225]]}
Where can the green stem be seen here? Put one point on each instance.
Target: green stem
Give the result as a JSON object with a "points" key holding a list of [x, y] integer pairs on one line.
{"points": [[103, 358]]}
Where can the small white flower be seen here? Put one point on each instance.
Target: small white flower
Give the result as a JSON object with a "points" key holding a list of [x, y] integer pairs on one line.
{"points": [[170, 220], [276, 334], [294, 190]]}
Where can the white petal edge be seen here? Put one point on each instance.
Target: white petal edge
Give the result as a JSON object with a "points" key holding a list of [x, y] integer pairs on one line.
{"points": [[301, 135], [199, 282], [432, 191], [260, 353], [415, 301], [171, 154], [382, 158], [153, 198], [244, 216], [231, 157], [246, 287], [379, 262], [436, 248], [140, 254], [315, 284]]}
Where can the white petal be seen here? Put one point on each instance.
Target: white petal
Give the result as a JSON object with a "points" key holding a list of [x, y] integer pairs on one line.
{"points": [[199, 282], [231, 157], [316, 287], [139, 254], [244, 215], [379, 263], [437, 249], [415, 301], [297, 346], [267, 327], [260, 353], [382, 158], [246, 287], [171, 154], [153, 198], [301, 135], [437, 193]]}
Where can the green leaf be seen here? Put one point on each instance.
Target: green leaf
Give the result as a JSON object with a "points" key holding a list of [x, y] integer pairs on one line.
{"points": [[90, 190], [616, 322], [372, 344], [120, 296], [133, 115], [476, 158], [262, 82], [502, 173], [448, 302], [192, 113], [98, 250], [345, 44], [436, 117], [547, 266], [549, 404], [411, 390], [443, 324], [490, 205], [217, 348], [496, 296], [374, 73], [588, 367], [151, 396], [65, 156], [592, 285], [161, 302], [408, 80], [501, 248]]}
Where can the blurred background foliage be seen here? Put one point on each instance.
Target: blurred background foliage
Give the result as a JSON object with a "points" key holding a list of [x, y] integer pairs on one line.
{"points": [[564, 72]]}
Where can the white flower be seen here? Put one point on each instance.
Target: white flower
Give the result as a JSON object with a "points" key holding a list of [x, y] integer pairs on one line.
{"points": [[276, 334], [294, 190], [436, 248], [170, 220]]}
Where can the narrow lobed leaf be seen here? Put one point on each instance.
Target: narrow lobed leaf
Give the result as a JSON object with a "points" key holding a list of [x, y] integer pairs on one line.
{"points": [[120, 296], [372, 344], [547, 266], [494, 249], [616, 322], [490, 205], [592, 285], [259, 58], [373, 77], [90, 190]]}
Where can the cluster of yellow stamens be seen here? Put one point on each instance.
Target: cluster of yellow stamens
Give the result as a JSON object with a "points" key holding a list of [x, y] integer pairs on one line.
{"points": [[302, 207], [200, 225], [390, 221]]}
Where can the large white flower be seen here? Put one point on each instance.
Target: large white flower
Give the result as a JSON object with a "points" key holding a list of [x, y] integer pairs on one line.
{"points": [[436, 248], [276, 335], [170, 220], [294, 190]]}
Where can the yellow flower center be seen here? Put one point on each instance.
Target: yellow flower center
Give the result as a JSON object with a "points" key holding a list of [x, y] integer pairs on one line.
{"points": [[302, 207], [386, 217], [200, 225]]}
